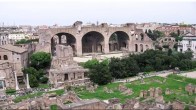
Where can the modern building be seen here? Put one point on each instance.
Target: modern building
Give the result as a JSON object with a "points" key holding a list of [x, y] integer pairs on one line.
{"points": [[16, 36], [188, 44]]}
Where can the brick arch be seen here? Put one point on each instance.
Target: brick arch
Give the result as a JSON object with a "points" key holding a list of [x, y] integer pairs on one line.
{"points": [[92, 41], [118, 40], [65, 39]]}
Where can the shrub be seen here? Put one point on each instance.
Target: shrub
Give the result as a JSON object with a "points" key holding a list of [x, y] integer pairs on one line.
{"points": [[43, 79]]}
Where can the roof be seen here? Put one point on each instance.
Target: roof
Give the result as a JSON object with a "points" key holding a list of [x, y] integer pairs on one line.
{"points": [[13, 48]]}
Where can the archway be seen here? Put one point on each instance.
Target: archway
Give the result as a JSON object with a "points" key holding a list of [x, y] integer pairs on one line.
{"points": [[118, 41], [64, 39], [92, 42]]}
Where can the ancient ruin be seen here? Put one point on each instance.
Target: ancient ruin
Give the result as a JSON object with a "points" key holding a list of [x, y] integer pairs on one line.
{"points": [[64, 71], [101, 38]]}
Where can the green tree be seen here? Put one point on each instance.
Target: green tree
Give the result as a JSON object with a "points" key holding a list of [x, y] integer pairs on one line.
{"points": [[185, 64], [155, 34], [100, 74], [117, 68], [169, 52], [35, 76], [90, 63], [33, 81], [40, 60]]}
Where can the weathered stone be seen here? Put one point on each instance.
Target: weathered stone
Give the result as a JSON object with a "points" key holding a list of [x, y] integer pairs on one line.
{"points": [[190, 89], [167, 91], [128, 92], [158, 92], [152, 90], [130, 104], [141, 94], [122, 88], [177, 105], [114, 101], [145, 92], [159, 99]]}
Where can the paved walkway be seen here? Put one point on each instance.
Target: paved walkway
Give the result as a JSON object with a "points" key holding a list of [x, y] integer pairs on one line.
{"points": [[160, 73], [189, 74], [104, 56]]}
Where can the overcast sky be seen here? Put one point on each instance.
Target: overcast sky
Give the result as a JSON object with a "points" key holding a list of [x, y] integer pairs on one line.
{"points": [[66, 12]]}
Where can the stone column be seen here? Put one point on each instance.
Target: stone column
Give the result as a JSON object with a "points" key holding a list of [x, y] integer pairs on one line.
{"points": [[27, 77], [16, 81], [79, 45], [106, 45], [3, 85]]}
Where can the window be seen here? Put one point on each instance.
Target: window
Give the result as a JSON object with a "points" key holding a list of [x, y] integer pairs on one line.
{"points": [[5, 57], [1, 84], [136, 48], [189, 42], [17, 58], [0, 57], [142, 36]]}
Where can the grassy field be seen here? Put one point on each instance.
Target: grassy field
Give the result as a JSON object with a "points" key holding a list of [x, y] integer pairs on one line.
{"points": [[173, 82]]}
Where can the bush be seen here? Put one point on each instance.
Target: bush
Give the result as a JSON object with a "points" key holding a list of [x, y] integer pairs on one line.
{"points": [[40, 60], [43, 80], [33, 81]]}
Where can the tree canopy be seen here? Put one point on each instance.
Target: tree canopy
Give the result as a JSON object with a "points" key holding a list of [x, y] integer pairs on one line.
{"points": [[40, 60], [154, 34], [100, 74], [151, 60]]}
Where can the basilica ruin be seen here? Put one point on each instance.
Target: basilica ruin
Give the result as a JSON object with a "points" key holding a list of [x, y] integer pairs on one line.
{"points": [[100, 39]]}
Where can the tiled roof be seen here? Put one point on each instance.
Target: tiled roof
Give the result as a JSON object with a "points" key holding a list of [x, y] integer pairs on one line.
{"points": [[13, 48]]}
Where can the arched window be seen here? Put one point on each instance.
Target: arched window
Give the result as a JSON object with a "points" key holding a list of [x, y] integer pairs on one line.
{"points": [[5, 57], [142, 36], [136, 48]]}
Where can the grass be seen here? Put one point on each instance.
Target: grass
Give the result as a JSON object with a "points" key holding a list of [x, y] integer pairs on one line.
{"points": [[182, 78], [175, 84], [28, 96], [10, 91], [53, 107], [45, 86]]}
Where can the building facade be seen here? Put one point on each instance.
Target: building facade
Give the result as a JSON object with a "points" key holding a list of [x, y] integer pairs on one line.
{"points": [[16, 36], [18, 56], [188, 44], [183, 29], [4, 38], [7, 75]]}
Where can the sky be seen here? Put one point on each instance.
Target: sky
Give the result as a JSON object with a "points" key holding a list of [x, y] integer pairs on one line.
{"points": [[66, 12]]}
